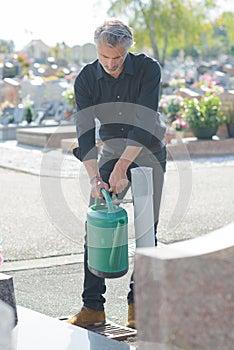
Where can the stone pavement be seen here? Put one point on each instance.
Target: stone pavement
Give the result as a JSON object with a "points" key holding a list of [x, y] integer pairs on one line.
{"points": [[44, 196]]}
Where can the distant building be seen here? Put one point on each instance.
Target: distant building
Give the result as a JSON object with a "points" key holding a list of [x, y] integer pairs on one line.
{"points": [[37, 50], [84, 54], [88, 52], [77, 54]]}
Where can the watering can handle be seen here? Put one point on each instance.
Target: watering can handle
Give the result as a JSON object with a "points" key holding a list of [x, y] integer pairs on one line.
{"points": [[107, 199]]}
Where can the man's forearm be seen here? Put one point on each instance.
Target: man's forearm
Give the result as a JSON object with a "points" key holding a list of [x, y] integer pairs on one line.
{"points": [[91, 167], [128, 156], [96, 181]]}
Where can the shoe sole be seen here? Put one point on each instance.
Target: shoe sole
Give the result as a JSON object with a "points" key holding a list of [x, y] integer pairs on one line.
{"points": [[96, 324]]}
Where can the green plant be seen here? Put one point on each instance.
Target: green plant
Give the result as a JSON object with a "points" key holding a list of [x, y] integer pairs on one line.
{"points": [[28, 114], [28, 105], [203, 112], [69, 96]]}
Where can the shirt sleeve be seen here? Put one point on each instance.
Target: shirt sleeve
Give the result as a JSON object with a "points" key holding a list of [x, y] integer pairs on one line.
{"points": [[148, 127], [85, 121]]}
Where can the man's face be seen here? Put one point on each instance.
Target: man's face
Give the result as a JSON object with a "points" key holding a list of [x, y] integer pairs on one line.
{"points": [[111, 58]]}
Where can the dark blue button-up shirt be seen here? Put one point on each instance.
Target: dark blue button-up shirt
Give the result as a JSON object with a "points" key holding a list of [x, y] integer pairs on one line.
{"points": [[126, 107]]}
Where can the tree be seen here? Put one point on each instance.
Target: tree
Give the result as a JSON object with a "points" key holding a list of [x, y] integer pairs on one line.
{"points": [[225, 25], [163, 25]]}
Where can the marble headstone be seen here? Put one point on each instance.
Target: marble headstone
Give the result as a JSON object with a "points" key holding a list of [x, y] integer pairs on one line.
{"points": [[185, 294]]}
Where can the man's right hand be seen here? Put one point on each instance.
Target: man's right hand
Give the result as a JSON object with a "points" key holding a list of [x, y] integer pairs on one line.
{"points": [[97, 184]]}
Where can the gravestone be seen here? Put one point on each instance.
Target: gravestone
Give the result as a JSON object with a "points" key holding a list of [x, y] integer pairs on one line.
{"points": [[187, 93], [6, 326], [54, 89], [34, 88], [7, 294], [19, 114], [227, 100], [185, 294]]}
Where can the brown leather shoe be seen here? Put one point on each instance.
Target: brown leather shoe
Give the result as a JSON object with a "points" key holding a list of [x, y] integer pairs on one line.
{"points": [[131, 322], [88, 317]]}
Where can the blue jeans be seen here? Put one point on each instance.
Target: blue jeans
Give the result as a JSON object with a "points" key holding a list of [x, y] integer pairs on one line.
{"points": [[94, 287]]}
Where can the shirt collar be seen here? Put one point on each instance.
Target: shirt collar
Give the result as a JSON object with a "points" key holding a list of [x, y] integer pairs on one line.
{"points": [[128, 67]]}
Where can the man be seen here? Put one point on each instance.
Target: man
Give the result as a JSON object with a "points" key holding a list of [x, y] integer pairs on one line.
{"points": [[121, 90]]}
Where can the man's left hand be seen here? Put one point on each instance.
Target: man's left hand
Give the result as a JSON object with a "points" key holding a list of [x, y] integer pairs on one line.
{"points": [[118, 180]]}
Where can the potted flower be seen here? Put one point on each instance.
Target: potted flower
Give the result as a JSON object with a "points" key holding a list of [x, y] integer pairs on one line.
{"points": [[68, 94], [171, 106], [204, 115], [179, 125], [5, 104], [28, 108]]}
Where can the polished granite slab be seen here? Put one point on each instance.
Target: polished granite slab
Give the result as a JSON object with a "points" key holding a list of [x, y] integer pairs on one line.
{"points": [[185, 294], [37, 331]]}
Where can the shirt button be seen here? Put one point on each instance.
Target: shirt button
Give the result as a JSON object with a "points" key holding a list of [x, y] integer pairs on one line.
{"points": [[120, 113], [122, 129], [118, 97]]}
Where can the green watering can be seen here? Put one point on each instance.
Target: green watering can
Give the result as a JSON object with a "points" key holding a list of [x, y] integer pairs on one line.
{"points": [[107, 238]]}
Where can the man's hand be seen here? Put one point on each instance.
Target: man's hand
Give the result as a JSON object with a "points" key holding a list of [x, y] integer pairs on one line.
{"points": [[97, 184], [96, 181], [118, 180]]}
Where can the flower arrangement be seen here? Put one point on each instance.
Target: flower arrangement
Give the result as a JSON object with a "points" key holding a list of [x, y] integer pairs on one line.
{"points": [[205, 112], [179, 124], [5, 104], [27, 102], [208, 84], [28, 105], [172, 106], [24, 61], [69, 96]]}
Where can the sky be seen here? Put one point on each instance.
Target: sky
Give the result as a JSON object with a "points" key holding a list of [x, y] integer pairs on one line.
{"points": [[54, 21]]}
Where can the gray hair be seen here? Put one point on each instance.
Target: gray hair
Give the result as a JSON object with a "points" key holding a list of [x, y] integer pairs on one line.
{"points": [[114, 32]]}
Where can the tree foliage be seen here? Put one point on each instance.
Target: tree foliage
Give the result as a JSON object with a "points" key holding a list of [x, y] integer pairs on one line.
{"points": [[225, 28], [164, 26]]}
